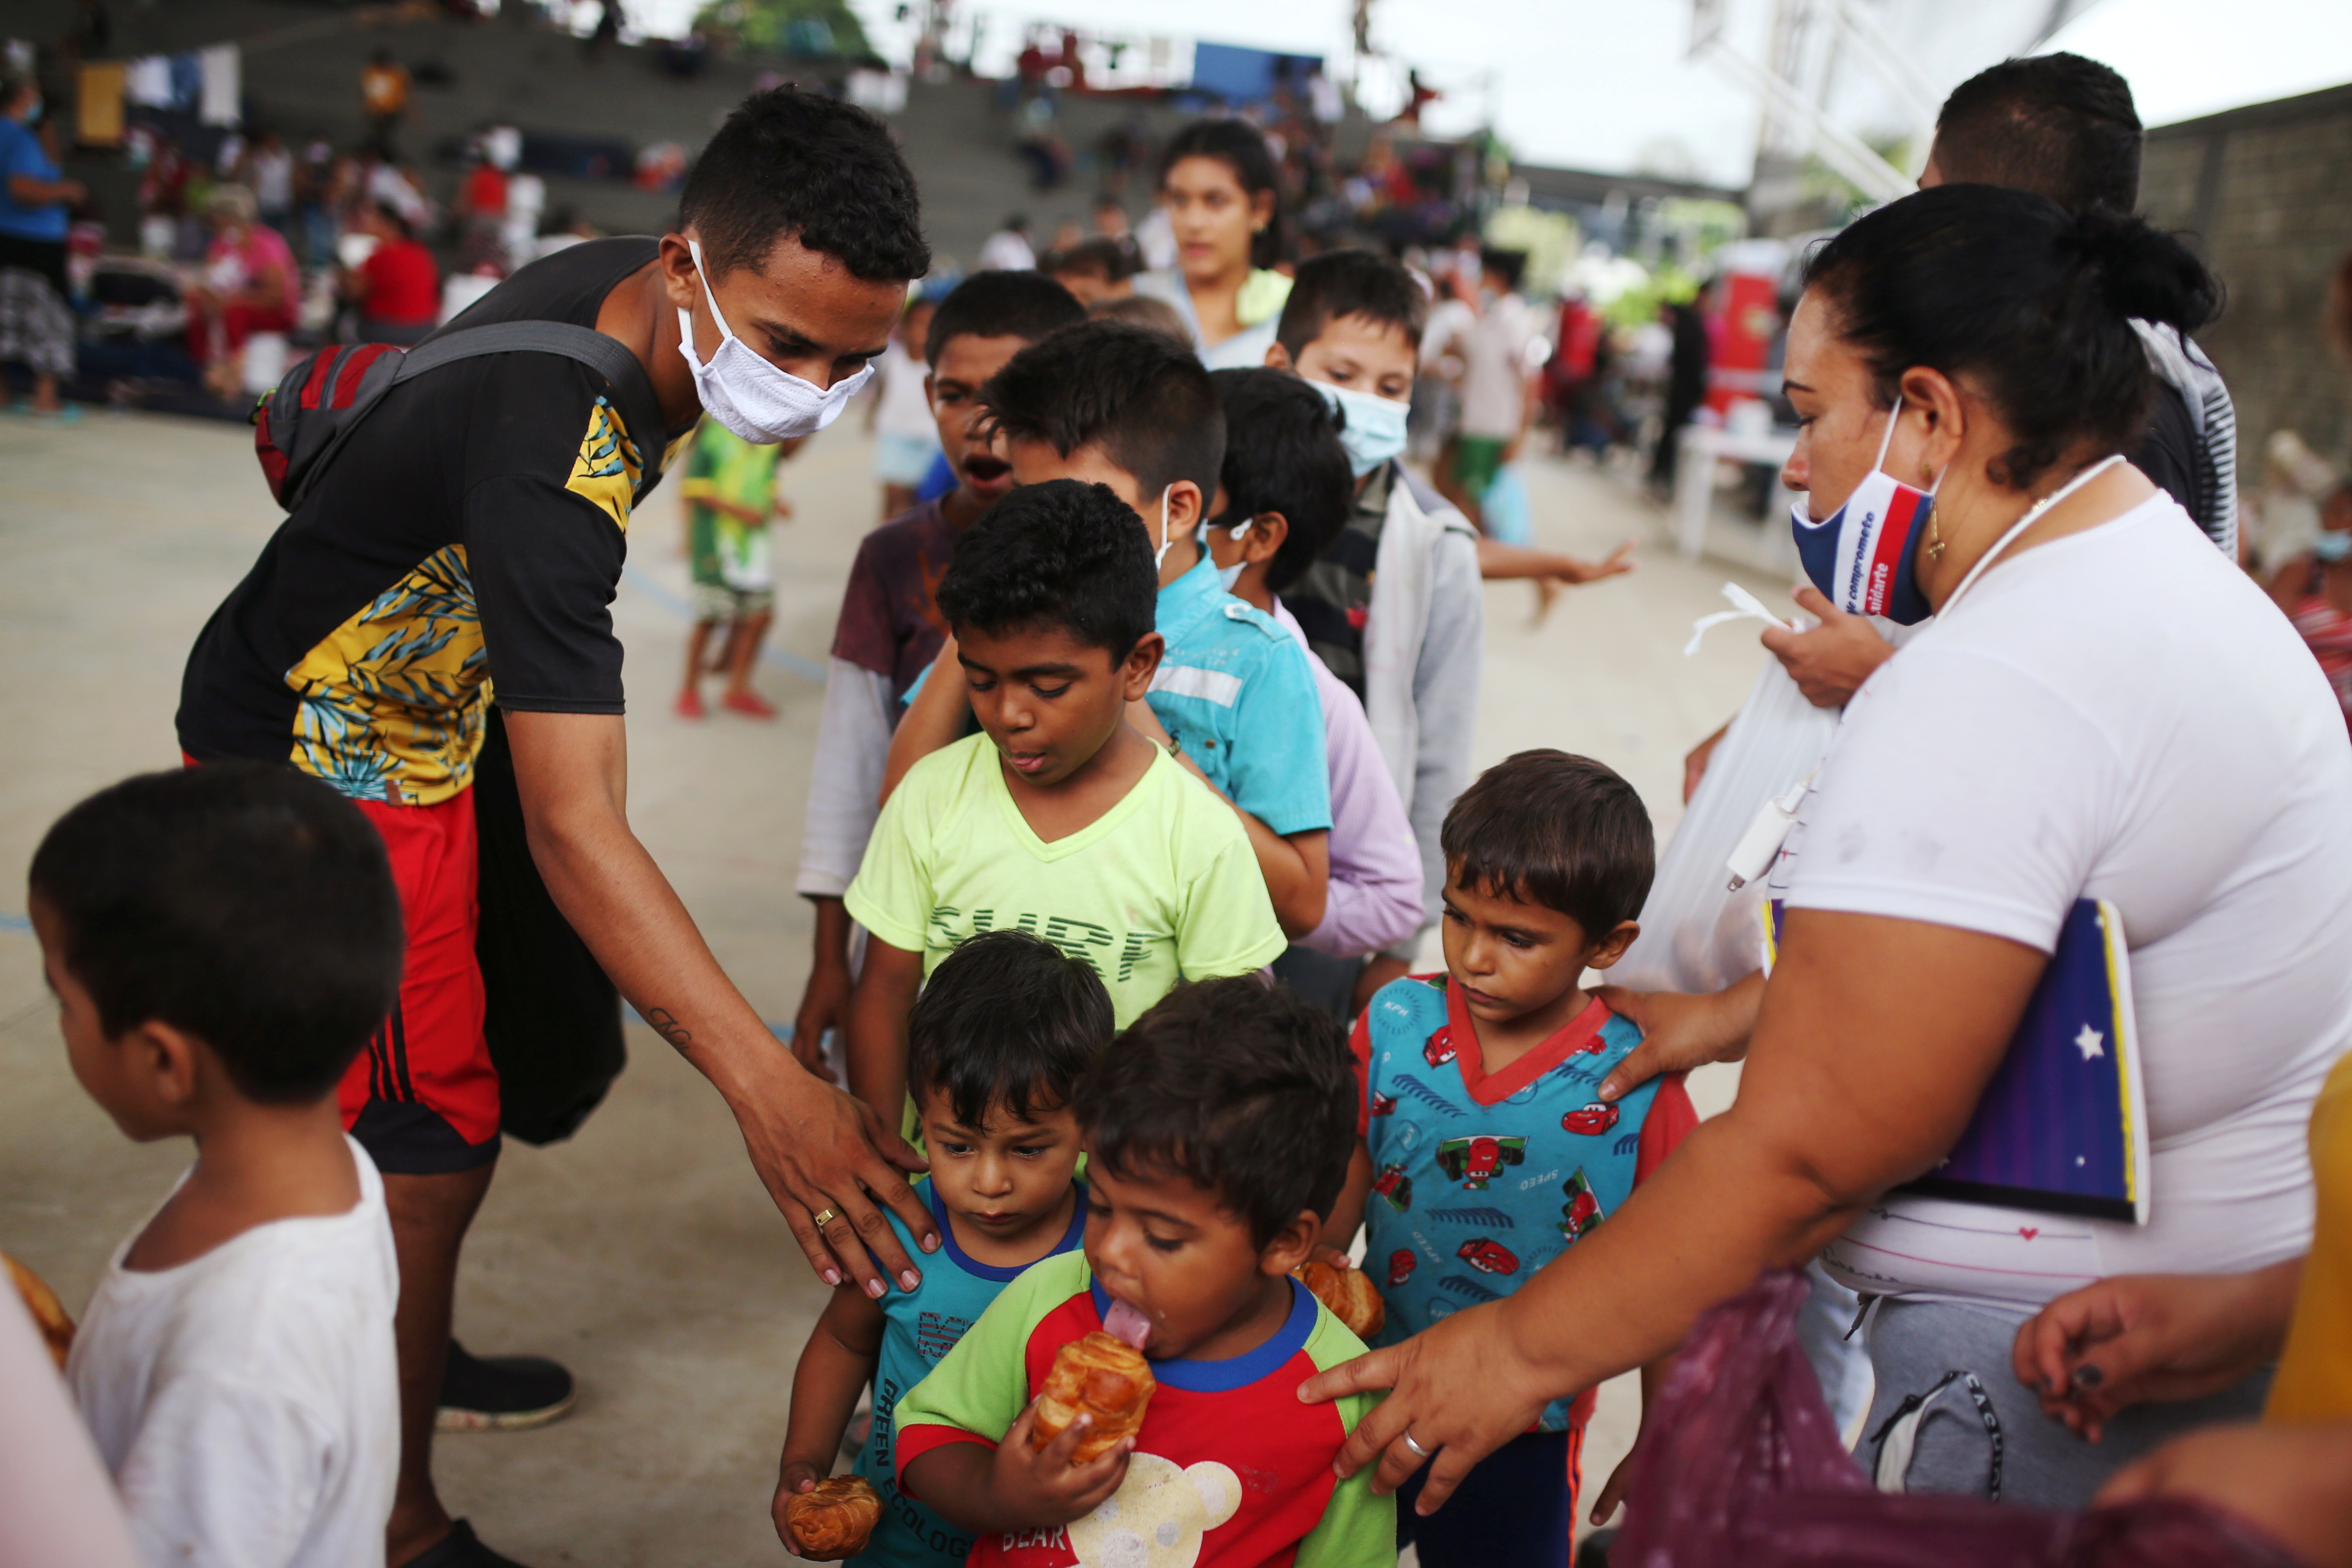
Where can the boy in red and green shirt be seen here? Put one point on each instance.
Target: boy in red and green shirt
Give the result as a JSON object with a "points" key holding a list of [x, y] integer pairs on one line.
{"points": [[1219, 1128]]}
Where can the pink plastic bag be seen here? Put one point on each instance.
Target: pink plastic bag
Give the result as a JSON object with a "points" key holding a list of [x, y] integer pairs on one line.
{"points": [[1742, 1468]]}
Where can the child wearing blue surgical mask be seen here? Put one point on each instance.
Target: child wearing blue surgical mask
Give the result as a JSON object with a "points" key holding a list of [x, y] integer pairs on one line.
{"points": [[2315, 592]]}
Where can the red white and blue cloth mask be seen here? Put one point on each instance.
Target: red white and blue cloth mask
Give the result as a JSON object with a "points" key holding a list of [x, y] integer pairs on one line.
{"points": [[1865, 556]]}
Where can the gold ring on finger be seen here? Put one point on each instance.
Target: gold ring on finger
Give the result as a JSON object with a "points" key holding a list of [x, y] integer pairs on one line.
{"points": [[823, 1217]]}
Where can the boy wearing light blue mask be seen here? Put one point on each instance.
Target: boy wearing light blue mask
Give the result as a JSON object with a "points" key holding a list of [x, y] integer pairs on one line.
{"points": [[1392, 606]]}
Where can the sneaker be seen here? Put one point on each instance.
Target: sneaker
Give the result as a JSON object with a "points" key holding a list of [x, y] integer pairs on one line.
{"points": [[461, 1548], [690, 704], [751, 704], [500, 1393]]}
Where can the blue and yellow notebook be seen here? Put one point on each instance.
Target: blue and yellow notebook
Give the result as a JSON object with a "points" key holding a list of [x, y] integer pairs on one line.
{"points": [[2063, 1125]]}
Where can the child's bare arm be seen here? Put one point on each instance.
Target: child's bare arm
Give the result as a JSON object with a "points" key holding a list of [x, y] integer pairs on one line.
{"points": [[1653, 1378], [1347, 1215], [1297, 869], [1013, 1487], [934, 720], [876, 1050], [834, 1366]]}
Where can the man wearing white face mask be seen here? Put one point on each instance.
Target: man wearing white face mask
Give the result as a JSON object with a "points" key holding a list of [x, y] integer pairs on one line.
{"points": [[473, 530]]}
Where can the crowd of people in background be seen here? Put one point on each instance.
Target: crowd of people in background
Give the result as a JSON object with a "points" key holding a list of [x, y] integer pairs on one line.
{"points": [[1140, 796]]}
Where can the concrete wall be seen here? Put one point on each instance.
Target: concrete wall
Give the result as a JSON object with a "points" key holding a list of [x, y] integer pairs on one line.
{"points": [[2264, 195]]}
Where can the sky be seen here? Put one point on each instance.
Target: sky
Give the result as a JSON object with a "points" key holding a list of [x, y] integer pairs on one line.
{"points": [[1609, 84]]}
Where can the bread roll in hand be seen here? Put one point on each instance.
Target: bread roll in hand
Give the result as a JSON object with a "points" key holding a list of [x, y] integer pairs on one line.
{"points": [[1100, 1376], [48, 1313], [833, 1520], [1349, 1293]]}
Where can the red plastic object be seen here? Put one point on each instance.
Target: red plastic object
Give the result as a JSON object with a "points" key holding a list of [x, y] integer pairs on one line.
{"points": [[1742, 1468]]}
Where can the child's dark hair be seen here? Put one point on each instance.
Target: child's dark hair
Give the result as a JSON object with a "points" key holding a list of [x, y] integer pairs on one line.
{"points": [[1247, 1090], [1240, 147], [2031, 300], [2059, 125], [1007, 1019], [1144, 400], [1091, 258], [1563, 832], [998, 304], [243, 903], [1350, 283], [1506, 267], [794, 165], [1283, 454], [1060, 553]]}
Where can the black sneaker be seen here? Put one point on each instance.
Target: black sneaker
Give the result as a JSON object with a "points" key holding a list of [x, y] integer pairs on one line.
{"points": [[501, 1393], [461, 1548]]}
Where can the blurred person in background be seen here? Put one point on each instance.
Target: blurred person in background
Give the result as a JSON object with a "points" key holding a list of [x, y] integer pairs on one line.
{"points": [[397, 289], [1007, 250], [731, 497], [250, 285], [1110, 224], [1222, 193], [1685, 388], [384, 96], [268, 168], [1094, 271], [906, 438], [2315, 589], [36, 325]]}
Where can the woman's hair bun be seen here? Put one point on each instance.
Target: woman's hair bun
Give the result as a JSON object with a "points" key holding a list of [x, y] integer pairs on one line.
{"points": [[2144, 271]]}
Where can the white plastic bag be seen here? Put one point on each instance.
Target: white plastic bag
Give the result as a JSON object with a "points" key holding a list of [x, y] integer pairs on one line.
{"points": [[1696, 933]]}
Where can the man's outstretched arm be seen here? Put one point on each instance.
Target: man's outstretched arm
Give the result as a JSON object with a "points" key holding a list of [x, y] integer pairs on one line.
{"points": [[815, 1147]]}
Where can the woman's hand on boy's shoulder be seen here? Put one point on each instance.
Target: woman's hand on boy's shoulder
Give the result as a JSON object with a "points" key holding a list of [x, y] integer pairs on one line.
{"points": [[1042, 1487]]}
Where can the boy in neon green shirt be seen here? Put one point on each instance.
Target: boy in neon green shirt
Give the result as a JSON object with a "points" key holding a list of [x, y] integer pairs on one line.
{"points": [[1218, 1131], [1059, 818]]}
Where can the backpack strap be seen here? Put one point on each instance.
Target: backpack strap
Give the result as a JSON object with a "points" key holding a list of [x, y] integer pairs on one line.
{"points": [[633, 390]]}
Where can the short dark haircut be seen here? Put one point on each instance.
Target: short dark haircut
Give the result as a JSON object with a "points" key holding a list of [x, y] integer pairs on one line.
{"points": [[1283, 454], [2058, 125], [997, 304], [1145, 310], [1101, 258], [1060, 553], [1350, 283], [395, 218], [1144, 400], [1562, 832], [1509, 266], [243, 903], [2034, 302], [1240, 147], [1007, 1019], [1247, 1090], [798, 165]]}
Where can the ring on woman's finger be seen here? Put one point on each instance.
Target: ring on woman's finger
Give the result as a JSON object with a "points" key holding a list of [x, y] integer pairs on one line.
{"points": [[1417, 1448], [823, 1217]]}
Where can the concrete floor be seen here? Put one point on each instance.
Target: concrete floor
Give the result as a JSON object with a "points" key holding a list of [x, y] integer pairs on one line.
{"points": [[643, 1252]]}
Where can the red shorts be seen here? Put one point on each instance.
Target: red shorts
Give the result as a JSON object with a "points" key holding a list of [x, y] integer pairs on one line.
{"points": [[422, 1098]]}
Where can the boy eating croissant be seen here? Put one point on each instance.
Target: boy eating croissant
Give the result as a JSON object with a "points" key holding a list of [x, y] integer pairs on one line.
{"points": [[1218, 1130]]}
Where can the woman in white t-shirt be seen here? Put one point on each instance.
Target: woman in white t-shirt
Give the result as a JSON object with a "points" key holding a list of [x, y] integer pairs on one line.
{"points": [[2102, 708]]}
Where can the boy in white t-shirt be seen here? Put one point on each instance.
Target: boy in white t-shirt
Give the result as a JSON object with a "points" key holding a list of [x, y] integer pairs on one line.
{"points": [[222, 941]]}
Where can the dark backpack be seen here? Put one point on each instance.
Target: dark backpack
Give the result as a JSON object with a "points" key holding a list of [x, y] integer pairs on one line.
{"points": [[300, 425]]}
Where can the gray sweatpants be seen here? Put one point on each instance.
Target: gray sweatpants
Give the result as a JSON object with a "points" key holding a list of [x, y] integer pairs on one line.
{"points": [[1948, 1415]]}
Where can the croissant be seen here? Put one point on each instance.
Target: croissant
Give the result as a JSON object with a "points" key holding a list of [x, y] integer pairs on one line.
{"points": [[833, 1521], [49, 1312], [1099, 1376], [1349, 1293]]}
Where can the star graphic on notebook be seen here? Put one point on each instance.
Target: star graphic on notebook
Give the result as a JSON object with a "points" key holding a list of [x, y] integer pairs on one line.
{"points": [[2090, 1043]]}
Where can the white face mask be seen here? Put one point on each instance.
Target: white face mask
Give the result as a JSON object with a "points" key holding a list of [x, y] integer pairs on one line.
{"points": [[1165, 543], [756, 400], [1229, 575], [1375, 428]]}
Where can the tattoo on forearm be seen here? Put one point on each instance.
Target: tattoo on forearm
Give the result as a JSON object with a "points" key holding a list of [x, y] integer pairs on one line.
{"points": [[666, 1024]]}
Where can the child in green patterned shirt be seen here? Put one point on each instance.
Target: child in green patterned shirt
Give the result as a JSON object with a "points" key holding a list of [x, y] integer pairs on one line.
{"points": [[731, 495]]}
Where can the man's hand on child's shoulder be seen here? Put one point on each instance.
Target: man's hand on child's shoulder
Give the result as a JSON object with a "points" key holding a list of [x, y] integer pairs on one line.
{"points": [[1041, 1488]]}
